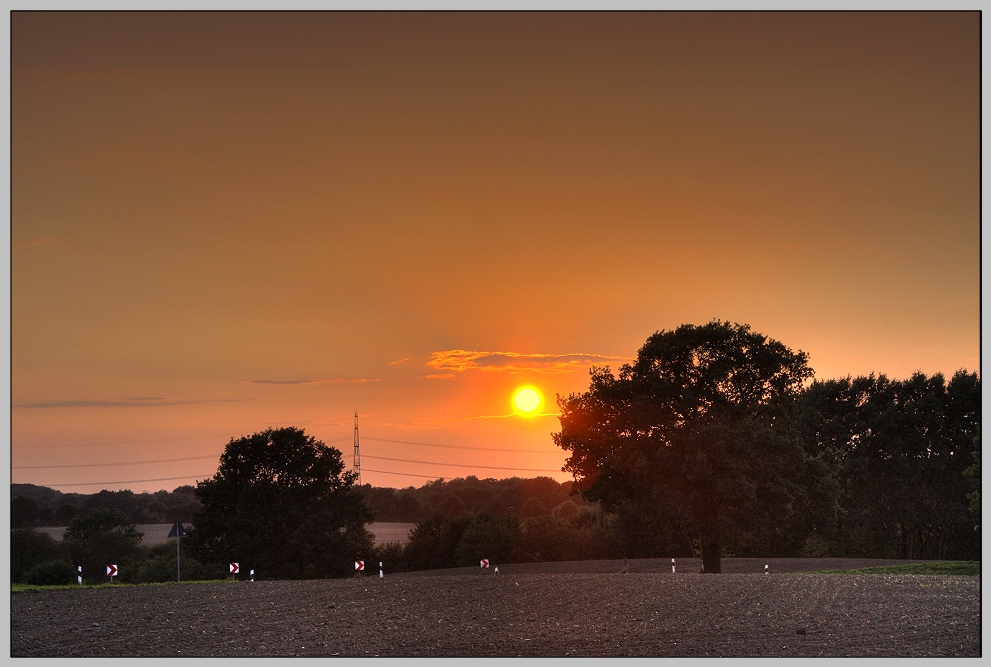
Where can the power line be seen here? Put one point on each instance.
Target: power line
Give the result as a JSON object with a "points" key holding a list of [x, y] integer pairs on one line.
{"points": [[134, 442], [98, 465], [481, 449], [404, 474], [458, 465], [134, 481]]}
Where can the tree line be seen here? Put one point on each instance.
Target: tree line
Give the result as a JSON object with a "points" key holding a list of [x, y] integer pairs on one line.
{"points": [[714, 442], [34, 506]]}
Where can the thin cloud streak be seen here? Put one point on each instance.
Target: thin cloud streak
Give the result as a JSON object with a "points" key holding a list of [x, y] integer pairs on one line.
{"points": [[468, 360], [126, 403], [313, 381], [33, 243], [541, 414]]}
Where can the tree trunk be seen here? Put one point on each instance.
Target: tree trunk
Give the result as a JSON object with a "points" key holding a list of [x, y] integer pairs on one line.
{"points": [[710, 557]]}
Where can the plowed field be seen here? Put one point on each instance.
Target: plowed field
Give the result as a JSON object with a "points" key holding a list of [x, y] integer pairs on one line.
{"points": [[550, 609]]}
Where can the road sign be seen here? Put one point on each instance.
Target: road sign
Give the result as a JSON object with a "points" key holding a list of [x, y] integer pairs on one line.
{"points": [[359, 565], [234, 568], [177, 530], [485, 563], [112, 569]]}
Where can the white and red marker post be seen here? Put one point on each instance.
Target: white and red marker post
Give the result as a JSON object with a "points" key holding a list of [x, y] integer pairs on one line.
{"points": [[359, 566], [111, 572], [672, 566], [484, 563], [235, 568]]}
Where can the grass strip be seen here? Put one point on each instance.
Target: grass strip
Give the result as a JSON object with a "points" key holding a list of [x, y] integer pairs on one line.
{"points": [[961, 567], [21, 588]]}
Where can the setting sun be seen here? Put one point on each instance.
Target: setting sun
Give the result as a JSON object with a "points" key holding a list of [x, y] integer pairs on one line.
{"points": [[527, 401]]}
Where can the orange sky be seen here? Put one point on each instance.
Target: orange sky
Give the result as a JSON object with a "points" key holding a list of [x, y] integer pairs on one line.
{"points": [[226, 222]]}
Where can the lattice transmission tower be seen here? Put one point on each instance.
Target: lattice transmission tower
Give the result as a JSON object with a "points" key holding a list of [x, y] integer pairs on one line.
{"points": [[357, 456]]}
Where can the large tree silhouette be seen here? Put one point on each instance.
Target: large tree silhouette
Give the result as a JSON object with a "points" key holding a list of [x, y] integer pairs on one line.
{"points": [[281, 504], [699, 425]]}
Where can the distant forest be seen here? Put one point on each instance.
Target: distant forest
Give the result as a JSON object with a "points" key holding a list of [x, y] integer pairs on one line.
{"points": [[42, 506]]}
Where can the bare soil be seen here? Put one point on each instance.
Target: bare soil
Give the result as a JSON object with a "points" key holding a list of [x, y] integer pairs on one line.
{"points": [[587, 608]]}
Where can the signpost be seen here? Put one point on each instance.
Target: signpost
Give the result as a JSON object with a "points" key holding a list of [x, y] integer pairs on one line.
{"points": [[234, 569], [485, 563], [177, 532], [111, 572], [359, 565]]}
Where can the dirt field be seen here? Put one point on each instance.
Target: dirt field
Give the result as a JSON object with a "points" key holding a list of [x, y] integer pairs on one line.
{"points": [[542, 609]]}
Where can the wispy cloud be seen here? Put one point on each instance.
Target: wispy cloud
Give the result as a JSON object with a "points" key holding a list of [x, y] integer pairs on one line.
{"points": [[398, 361], [305, 381], [439, 376], [466, 360], [314, 381], [32, 243], [136, 402], [510, 415]]}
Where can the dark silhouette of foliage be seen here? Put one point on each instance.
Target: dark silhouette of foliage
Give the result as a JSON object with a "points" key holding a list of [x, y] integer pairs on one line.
{"points": [[903, 448], [23, 512], [281, 504], [101, 537], [55, 572], [29, 548], [700, 423]]}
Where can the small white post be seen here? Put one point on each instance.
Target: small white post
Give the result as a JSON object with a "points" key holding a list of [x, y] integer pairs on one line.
{"points": [[672, 566], [252, 575], [765, 569], [79, 577], [380, 570], [497, 569]]}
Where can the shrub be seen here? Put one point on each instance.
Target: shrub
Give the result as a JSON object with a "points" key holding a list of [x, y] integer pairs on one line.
{"points": [[27, 549], [51, 573]]}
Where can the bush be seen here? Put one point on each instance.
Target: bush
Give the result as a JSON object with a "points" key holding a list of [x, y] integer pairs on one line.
{"points": [[160, 566], [487, 537], [51, 573], [28, 548]]}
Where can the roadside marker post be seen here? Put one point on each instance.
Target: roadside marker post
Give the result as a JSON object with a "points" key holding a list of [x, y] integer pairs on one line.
{"points": [[380, 569], [79, 576], [235, 567], [359, 565], [672, 566], [765, 569], [497, 569], [252, 575], [111, 572], [485, 563], [177, 532]]}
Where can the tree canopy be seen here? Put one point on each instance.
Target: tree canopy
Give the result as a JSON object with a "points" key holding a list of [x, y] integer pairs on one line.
{"points": [[281, 503], [698, 431]]}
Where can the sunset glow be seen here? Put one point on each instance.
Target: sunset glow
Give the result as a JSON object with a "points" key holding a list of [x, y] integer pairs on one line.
{"points": [[224, 222]]}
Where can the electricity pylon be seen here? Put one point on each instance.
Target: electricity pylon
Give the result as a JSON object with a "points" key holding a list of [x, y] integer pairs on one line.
{"points": [[357, 456]]}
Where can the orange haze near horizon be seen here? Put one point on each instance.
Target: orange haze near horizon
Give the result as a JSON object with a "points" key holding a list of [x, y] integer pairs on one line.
{"points": [[225, 222]]}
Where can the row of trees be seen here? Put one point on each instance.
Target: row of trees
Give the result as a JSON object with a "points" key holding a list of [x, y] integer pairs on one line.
{"points": [[33, 505], [525, 498], [715, 437]]}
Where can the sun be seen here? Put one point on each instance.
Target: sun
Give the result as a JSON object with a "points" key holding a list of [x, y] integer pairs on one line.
{"points": [[526, 401]]}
